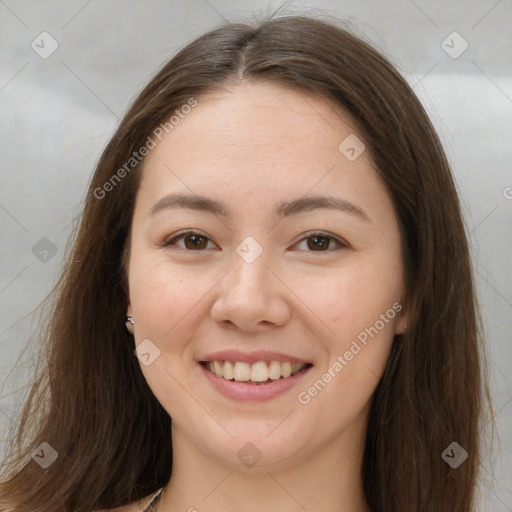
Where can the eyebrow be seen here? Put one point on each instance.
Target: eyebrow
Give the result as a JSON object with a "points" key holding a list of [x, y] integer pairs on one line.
{"points": [[283, 209]]}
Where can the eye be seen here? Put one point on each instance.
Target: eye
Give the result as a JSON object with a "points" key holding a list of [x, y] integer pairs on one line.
{"points": [[320, 242], [193, 241]]}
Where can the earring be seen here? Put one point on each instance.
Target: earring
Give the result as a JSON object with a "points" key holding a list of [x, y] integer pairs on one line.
{"points": [[129, 322]]}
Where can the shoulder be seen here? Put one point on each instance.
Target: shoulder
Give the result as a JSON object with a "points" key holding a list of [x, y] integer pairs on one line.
{"points": [[132, 507], [136, 506]]}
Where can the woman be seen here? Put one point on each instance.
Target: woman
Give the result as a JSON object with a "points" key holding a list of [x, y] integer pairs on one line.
{"points": [[271, 254]]}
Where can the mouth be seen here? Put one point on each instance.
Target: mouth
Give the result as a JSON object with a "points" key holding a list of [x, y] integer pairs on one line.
{"points": [[255, 374]]}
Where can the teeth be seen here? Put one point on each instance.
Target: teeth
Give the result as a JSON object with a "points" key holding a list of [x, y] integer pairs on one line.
{"points": [[217, 368], [242, 371], [286, 369], [296, 367], [257, 372], [274, 371], [228, 370]]}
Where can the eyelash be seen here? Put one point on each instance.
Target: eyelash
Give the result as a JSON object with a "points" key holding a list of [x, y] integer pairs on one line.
{"points": [[313, 234]]}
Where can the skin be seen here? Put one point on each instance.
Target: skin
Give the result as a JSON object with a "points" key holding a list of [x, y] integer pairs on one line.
{"points": [[252, 146]]}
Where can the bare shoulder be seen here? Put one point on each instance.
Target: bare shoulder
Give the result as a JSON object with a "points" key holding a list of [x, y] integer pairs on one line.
{"points": [[132, 507], [136, 506]]}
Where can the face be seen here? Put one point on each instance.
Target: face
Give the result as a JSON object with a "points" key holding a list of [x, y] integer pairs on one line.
{"points": [[263, 244]]}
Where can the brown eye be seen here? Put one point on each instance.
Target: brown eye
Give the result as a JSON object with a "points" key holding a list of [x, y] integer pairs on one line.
{"points": [[195, 241], [192, 241], [320, 242]]}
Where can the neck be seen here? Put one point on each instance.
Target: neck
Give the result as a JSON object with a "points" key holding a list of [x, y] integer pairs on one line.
{"points": [[328, 481]]}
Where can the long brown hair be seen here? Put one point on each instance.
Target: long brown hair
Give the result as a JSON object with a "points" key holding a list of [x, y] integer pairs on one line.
{"points": [[90, 401]]}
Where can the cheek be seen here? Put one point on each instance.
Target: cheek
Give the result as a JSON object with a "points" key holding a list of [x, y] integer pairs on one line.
{"points": [[350, 299], [162, 295], [166, 302], [358, 351], [361, 307]]}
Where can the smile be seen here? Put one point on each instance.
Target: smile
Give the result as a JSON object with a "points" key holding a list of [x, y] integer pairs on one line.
{"points": [[260, 372]]}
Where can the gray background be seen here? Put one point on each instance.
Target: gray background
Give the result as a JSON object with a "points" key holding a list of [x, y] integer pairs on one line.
{"points": [[56, 115]]}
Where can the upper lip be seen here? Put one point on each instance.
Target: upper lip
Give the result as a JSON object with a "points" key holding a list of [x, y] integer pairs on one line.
{"points": [[252, 357]]}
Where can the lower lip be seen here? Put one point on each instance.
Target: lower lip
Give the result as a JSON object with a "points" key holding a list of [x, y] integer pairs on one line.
{"points": [[253, 392]]}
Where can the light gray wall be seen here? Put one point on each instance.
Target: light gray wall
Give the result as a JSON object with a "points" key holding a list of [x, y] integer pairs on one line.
{"points": [[57, 113]]}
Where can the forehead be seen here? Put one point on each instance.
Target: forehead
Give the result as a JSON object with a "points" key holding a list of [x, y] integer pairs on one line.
{"points": [[264, 116], [258, 121], [261, 140]]}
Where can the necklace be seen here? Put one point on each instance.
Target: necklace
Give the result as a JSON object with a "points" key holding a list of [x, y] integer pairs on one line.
{"points": [[154, 501]]}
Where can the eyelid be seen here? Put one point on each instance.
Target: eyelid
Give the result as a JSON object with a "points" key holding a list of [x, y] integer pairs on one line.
{"points": [[342, 244], [180, 234]]}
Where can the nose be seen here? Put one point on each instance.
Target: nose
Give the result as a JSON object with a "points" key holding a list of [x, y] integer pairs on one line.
{"points": [[251, 297]]}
